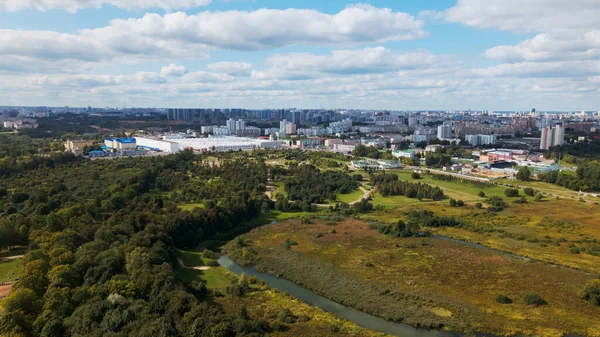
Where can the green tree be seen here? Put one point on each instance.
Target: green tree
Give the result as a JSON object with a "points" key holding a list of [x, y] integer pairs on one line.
{"points": [[523, 174]]}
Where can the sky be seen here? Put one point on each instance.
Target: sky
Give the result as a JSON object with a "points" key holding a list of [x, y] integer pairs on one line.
{"points": [[382, 54]]}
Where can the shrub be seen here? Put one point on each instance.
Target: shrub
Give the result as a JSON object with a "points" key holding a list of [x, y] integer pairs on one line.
{"points": [[478, 205], [538, 197], [415, 175], [452, 203], [592, 292], [481, 194], [460, 203], [286, 316], [288, 243], [534, 299], [320, 235], [305, 221], [511, 192], [529, 191], [503, 299], [575, 250]]}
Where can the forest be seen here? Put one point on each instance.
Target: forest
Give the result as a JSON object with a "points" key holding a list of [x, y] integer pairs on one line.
{"points": [[101, 238], [388, 184], [308, 184]]}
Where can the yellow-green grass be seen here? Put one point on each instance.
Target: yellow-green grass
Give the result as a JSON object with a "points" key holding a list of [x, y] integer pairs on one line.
{"points": [[266, 303], [214, 278], [191, 206], [547, 188], [452, 189], [275, 216], [353, 196], [190, 258], [454, 279], [9, 269], [543, 231]]}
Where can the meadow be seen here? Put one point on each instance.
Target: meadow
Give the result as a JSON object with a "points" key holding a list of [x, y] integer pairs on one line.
{"points": [[424, 281], [9, 269]]}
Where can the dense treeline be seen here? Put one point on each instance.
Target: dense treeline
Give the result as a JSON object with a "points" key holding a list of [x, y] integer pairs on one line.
{"points": [[100, 237], [587, 177], [308, 184], [388, 184], [462, 181]]}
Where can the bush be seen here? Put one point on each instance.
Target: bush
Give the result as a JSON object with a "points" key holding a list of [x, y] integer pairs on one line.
{"points": [[460, 203], [529, 191], [592, 292], [452, 203], [305, 221], [286, 316], [539, 197], [415, 175], [481, 194], [503, 299], [288, 243], [511, 192], [479, 205], [534, 299]]}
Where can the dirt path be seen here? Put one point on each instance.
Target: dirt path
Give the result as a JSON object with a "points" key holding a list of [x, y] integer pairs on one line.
{"points": [[8, 258], [182, 265], [365, 196]]}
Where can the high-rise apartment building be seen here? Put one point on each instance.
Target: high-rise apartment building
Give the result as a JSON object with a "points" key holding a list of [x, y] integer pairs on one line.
{"points": [[444, 131], [552, 136]]}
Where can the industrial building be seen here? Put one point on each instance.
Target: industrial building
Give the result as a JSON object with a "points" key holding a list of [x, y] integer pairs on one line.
{"points": [[226, 143], [157, 144], [121, 144]]}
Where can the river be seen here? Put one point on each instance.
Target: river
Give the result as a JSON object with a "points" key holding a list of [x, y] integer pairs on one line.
{"points": [[360, 318]]}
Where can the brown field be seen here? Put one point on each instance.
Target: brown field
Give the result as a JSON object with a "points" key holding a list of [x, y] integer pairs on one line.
{"points": [[456, 283]]}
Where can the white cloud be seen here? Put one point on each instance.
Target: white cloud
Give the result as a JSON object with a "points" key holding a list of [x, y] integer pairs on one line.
{"points": [[206, 77], [368, 60], [271, 28], [544, 47], [178, 35], [526, 16], [173, 70], [75, 5], [231, 68]]}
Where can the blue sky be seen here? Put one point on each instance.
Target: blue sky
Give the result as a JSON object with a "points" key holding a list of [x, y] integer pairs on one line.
{"points": [[410, 54]]}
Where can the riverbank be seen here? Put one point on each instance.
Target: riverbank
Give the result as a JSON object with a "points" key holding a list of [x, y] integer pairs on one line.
{"points": [[422, 282]]}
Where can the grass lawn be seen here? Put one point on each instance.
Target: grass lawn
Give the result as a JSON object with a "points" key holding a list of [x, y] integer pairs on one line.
{"points": [[191, 258], [546, 188], [458, 191], [351, 197], [215, 278], [10, 270]]}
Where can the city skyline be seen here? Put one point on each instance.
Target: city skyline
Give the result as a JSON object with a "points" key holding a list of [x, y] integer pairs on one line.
{"points": [[416, 55]]}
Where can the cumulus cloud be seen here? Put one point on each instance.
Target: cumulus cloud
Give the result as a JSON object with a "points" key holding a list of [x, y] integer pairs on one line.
{"points": [[368, 60], [231, 68], [545, 47], [75, 5], [173, 70], [526, 16], [179, 35], [206, 77]]}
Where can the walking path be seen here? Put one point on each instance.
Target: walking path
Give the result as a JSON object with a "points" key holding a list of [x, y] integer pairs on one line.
{"points": [[182, 265]]}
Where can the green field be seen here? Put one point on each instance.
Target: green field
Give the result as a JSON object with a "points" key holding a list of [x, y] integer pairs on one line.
{"points": [[10, 270], [351, 197], [214, 278]]}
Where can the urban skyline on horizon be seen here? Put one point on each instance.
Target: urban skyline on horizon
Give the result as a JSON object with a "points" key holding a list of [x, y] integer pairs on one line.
{"points": [[501, 55]]}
